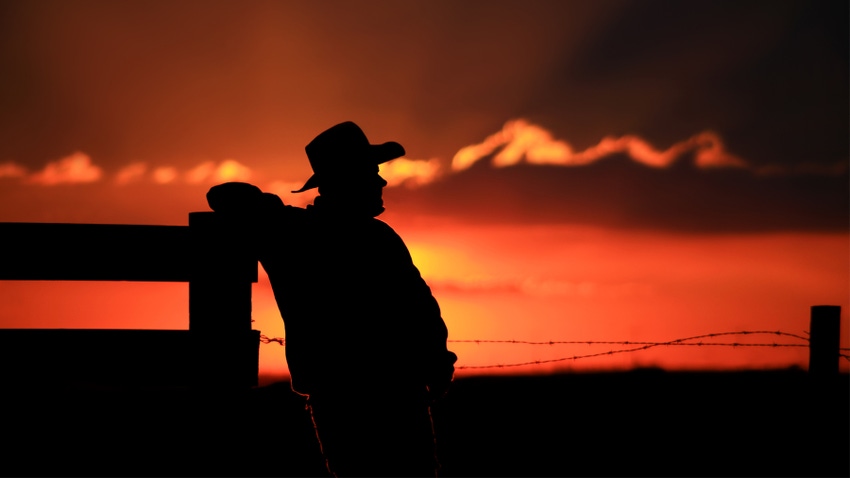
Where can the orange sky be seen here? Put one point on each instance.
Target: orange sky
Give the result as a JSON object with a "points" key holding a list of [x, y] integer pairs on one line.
{"points": [[544, 283], [567, 176]]}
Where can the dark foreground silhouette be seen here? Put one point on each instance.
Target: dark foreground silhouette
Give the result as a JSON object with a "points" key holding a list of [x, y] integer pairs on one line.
{"points": [[365, 339], [641, 423]]}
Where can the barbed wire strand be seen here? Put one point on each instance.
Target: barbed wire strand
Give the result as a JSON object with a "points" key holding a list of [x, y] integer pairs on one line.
{"points": [[626, 342], [620, 351], [267, 340], [648, 345], [685, 341]]}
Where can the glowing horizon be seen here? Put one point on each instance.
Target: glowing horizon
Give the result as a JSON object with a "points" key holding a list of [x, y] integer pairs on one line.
{"points": [[575, 179], [517, 295], [518, 282]]}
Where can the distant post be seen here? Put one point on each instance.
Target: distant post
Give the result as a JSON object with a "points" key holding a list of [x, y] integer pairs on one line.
{"points": [[824, 340]]}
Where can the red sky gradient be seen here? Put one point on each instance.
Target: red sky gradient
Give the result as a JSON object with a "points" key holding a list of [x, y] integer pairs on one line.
{"points": [[569, 176]]}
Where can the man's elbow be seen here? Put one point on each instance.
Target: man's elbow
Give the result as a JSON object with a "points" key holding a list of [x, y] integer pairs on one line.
{"points": [[233, 198]]}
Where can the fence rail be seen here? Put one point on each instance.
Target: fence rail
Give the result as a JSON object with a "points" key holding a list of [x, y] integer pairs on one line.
{"points": [[219, 348], [96, 252]]}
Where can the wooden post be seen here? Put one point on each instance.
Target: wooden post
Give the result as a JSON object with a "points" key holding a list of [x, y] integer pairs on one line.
{"points": [[824, 340], [222, 271]]}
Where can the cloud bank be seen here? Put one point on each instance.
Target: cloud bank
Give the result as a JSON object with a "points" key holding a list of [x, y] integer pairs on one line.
{"points": [[76, 168], [521, 141], [522, 174]]}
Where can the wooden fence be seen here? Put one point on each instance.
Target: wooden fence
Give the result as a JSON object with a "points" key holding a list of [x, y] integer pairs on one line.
{"points": [[219, 349]]}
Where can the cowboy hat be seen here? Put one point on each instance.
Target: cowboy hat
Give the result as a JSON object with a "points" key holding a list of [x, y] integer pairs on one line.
{"points": [[342, 149]]}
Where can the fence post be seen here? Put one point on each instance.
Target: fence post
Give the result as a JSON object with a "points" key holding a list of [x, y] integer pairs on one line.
{"points": [[824, 340], [226, 349]]}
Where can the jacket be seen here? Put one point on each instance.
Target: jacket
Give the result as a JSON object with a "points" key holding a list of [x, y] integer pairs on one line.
{"points": [[356, 311]]}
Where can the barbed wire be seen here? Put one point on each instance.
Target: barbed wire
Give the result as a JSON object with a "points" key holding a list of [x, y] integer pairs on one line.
{"points": [[685, 341], [267, 340], [627, 342], [639, 345], [619, 351]]}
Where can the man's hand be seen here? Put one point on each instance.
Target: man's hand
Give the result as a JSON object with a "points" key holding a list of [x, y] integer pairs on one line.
{"points": [[441, 377], [438, 390]]}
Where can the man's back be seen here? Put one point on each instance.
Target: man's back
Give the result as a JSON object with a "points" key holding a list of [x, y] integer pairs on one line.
{"points": [[354, 306]]}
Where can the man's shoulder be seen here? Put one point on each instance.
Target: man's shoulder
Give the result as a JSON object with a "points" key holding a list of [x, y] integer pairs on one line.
{"points": [[383, 227], [387, 235]]}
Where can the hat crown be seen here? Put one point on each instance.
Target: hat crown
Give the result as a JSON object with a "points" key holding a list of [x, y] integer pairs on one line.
{"points": [[343, 149]]}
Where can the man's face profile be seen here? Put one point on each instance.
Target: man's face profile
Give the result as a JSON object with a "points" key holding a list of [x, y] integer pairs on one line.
{"points": [[360, 191]]}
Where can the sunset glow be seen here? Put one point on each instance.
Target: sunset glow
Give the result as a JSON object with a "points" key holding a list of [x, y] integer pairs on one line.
{"points": [[567, 177], [574, 284]]}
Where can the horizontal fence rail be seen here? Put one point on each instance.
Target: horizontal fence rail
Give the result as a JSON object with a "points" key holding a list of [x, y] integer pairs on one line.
{"points": [[114, 252], [219, 348], [95, 252], [166, 358]]}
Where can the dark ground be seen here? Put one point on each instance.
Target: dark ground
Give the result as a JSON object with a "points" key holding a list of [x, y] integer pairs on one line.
{"points": [[640, 423]]}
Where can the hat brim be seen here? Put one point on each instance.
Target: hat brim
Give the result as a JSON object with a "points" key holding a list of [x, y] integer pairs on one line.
{"points": [[311, 183], [379, 153]]}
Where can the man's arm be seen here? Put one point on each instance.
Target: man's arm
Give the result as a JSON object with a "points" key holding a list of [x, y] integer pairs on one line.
{"points": [[243, 202], [437, 361], [234, 198], [250, 210]]}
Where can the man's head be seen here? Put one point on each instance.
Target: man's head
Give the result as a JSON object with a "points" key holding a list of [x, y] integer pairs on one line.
{"points": [[345, 167]]}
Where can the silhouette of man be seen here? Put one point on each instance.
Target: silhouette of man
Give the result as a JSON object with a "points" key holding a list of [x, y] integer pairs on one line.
{"points": [[365, 339]]}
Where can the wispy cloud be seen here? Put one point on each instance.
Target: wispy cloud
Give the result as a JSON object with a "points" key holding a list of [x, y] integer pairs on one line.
{"points": [[524, 174], [227, 170], [12, 170], [76, 168], [131, 173], [200, 173], [534, 286], [165, 174], [410, 172], [207, 172], [231, 170], [520, 141], [79, 168]]}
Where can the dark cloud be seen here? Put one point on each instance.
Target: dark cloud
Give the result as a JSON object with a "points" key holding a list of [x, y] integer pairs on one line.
{"points": [[256, 80], [770, 76], [618, 192], [189, 82]]}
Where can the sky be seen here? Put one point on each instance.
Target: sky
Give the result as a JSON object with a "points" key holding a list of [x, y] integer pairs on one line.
{"points": [[575, 171]]}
